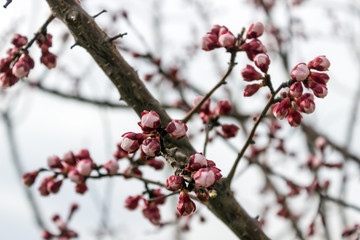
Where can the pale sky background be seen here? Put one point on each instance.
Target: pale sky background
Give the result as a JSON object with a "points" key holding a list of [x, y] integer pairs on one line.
{"points": [[46, 125]]}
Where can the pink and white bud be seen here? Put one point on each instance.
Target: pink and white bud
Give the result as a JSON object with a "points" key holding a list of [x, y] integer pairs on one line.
{"points": [[149, 121], [156, 164], [296, 89], [83, 154], [54, 162], [130, 141], [320, 63], [54, 186], [132, 203], [75, 176], [226, 39], [48, 59], [250, 74], [152, 212], [81, 188], [29, 178], [44, 42], [319, 90], [321, 78], [151, 147], [8, 79], [196, 161], [255, 30], [5, 64], [281, 109], [47, 235], [321, 143], [229, 130], [174, 183], [262, 61], [253, 48], [205, 107], [185, 205], [209, 42], [306, 103], [204, 177], [19, 40], [112, 167], [29, 60], [176, 129], [69, 158], [21, 69], [294, 117], [85, 166], [216, 171], [300, 72], [43, 186], [223, 107], [251, 89]]}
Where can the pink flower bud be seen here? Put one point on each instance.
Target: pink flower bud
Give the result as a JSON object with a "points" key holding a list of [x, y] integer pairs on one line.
{"points": [[29, 178], [130, 142], [229, 130], [156, 164], [176, 129], [306, 103], [43, 186], [281, 109], [255, 30], [223, 107], [251, 89], [321, 78], [47, 235], [44, 42], [209, 42], [253, 48], [111, 166], [151, 147], [21, 69], [320, 90], [196, 161], [300, 72], [204, 177], [132, 202], [120, 153], [174, 183], [262, 61], [129, 172], [152, 212], [215, 29], [54, 162], [216, 171], [157, 194], [75, 176], [202, 194], [83, 154], [29, 60], [85, 166], [296, 89], [4, 64], [69, 158], [185, 206], [18, 40], [48, 59], [149, 121], [250, 74], [205, 107], [7, 79], [321, 143], [54, 186], [81, 188], [227, 39], [320, 63], [294, 117]]}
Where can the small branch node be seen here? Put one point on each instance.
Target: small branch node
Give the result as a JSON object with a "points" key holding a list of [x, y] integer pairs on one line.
{"points": [[117, 36], [96, 15]]}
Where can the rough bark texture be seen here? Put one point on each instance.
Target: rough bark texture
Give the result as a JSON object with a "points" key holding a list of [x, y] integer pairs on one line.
{"points": [[88, 35]]}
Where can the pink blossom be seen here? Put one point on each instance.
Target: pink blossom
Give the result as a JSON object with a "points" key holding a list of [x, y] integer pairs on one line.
{"points": [[174, 183], [54, 162], [132, 203], [300, 72], [151, 147], [19, 40], [85, 166], [306, 103], [196, 161], [185, 205], [48, 59], [226, 39], [209, 42], [156, 164], [130, 142], [204, 177], [223, 107], [253, 48], [262, 61], [176, 129], [294, 117], [250, 74], [54, 186], [281, 109], [320, 90], [229, 130], [8, 79], [29, 178], [111, 166], [152, 212], [321, 78], [320, 63], [205, 107], [251, 89], [255, 30], [75, 176], [21, 69], [81, 188], [149, 121], [296, 89]]}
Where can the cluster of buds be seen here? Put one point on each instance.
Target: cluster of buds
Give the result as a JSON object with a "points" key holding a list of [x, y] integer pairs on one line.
{"points": [[256, 52], [149, 140], [203, 174], [17, 64], [295, 101], [76, 167], [150, 208], [65, 232], [47, 58], [223, 107], [219, 36]]}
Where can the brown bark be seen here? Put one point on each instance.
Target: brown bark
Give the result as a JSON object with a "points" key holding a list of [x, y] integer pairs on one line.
{"points": [[88, 35]]}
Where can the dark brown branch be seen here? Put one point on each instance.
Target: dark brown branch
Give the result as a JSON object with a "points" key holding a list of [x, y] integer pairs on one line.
{"points": [[132, 90], [7, 3]]}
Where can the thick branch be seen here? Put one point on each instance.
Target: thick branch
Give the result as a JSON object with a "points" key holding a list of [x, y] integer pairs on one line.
{"points": [[88, 35]]}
